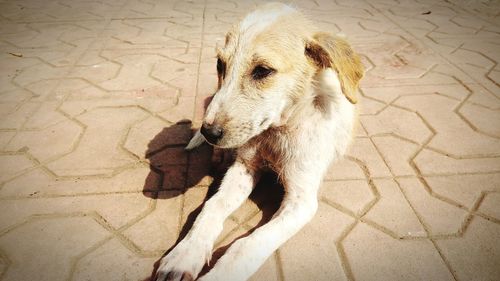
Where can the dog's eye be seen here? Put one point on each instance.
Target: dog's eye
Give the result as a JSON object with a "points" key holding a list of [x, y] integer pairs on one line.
{"points": [[261, 72], [221, 67]]}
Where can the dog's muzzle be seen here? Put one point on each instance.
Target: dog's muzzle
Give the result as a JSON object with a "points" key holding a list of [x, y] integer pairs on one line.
{"points": [[212, 133]]}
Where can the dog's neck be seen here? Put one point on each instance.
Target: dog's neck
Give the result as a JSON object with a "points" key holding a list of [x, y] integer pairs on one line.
{"points": [[318, 98]]}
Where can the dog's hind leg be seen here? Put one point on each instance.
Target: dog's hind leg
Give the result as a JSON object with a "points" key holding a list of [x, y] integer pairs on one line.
{"points": [[187, 259]]}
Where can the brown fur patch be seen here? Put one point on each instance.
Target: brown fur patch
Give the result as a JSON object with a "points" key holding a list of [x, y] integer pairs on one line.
{"points": [[331, 51], [318, 54]]}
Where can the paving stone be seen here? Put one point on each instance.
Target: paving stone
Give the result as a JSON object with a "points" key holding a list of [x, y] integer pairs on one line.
{"points": [[345, 169], [39, 183], [389, 94], [5, 138], [407, 124], [153, 134], [363, 150], [45, 116], [474, 256], [483, 119], [11, 165], [116, 209], [15, 96], [393, 212], [97, 101], [354, 195], [179, 75], [312, 255], [134, 65], [439, 216], [464, 189], [369, 106], [161, 224], [397, 154], [114, 261], [182, 110], [268, 271], [481, 96], [99, 153], [63, 239], [3, 265], [392, 259], [39, 72], [430, 162], [438, 111], [150, 101], [49, 143], [489, 206], [13, 116]]}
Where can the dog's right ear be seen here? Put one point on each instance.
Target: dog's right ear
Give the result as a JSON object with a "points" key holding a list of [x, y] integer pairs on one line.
{"points": [[329, 51]]}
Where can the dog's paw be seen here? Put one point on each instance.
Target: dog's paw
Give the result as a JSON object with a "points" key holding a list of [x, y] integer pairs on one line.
{"points": [[183, 263]]}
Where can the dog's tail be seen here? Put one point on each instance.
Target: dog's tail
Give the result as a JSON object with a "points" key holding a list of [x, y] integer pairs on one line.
{"points": [[196, 141]]}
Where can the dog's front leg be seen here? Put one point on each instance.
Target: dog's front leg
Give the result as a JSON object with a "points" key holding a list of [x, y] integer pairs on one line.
{"points": [[246, 255], [186, 260]]}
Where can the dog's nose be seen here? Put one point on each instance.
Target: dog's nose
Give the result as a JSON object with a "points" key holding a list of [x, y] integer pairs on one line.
{"points": [[212, 133]]}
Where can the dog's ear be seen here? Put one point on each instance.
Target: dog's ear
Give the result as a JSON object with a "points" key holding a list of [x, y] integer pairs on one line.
{"points": [[327, 50]]}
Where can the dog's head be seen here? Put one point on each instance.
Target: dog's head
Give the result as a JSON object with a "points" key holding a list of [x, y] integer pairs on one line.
{"points": [[268, 64]]}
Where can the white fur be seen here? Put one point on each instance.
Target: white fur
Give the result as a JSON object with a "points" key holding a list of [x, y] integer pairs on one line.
{"points": [[316, 135], [262, 18]]}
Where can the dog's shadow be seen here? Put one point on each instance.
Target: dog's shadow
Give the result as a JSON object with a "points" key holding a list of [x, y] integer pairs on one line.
{"points": [[173, 171]]}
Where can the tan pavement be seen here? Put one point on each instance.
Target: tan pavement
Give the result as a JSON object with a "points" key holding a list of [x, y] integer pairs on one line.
{"points": [[94, 184]]}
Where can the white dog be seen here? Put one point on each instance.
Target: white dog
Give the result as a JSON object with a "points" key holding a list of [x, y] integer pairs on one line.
{"points": [[285, 101]]}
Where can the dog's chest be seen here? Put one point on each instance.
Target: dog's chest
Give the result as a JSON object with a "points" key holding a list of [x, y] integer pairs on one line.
{"points": [[275, 148]]}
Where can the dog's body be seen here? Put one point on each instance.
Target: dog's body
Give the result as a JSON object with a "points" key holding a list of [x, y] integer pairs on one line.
{"points": [[285, 101]]}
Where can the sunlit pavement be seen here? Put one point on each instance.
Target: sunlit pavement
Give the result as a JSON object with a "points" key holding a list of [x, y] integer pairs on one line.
{"points": [[95, 185]]}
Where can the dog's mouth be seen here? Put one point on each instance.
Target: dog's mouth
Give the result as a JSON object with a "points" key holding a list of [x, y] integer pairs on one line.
{"points": [[211, 142]]}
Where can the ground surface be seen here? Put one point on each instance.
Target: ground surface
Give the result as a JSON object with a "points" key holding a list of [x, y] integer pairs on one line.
{"points": [[90, 92]]}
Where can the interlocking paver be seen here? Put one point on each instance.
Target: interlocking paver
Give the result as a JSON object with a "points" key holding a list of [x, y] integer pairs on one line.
{"points": [[113, 261], [393, 212], [440, 113], [162, 225], [97, 100], [399, 122], [43, 183], [47, 143], [464, 189], [317, 261], [381, 257], [475, 256], [439, 216], [62, 239], [98, 150], [489, 206], [365, 152], [13, 165], [397, 153], [115, 210], [353, 195]]}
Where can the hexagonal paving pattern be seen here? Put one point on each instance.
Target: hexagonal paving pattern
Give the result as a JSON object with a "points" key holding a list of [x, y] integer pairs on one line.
{"points": [[97, 100]]}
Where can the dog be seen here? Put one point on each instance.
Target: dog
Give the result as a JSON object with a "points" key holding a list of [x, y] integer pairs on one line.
{"points": [[285, 102]]}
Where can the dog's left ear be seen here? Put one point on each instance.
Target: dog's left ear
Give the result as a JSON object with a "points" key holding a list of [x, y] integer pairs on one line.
{"points": [[329, 51]]}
